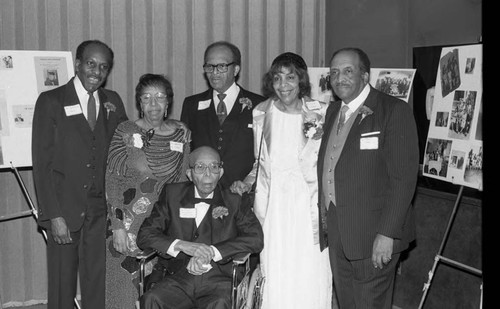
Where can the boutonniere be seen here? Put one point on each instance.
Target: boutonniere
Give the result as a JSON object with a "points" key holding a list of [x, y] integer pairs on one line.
{"points": [[110, 107], [219, 212], [138, 140], [364, 111], [313, 129], [313, 122], [245, 103]]}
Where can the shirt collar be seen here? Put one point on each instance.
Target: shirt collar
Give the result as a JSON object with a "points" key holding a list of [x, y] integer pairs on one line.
{"points": [[231, 95], [82, 93], [354, 104]]}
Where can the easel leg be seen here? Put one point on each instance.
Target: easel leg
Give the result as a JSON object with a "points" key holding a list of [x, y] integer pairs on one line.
{"points": [[34, 211], [441, 247], [440, 258]]}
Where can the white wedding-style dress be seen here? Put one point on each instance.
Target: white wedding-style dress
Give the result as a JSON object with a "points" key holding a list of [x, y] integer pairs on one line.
{"points": [[297, 273]]}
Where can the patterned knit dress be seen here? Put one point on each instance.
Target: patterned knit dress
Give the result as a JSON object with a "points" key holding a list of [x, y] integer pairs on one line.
{"points": [[139, 164]]}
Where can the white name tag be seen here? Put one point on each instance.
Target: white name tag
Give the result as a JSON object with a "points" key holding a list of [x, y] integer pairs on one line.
{"points": [[176, 146], [73, 110], [188, 213], [369, 143], [312, 105], [250, 125], [203, 105]]}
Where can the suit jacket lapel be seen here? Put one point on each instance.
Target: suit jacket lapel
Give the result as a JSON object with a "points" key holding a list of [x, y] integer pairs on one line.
{"points": [[354, 133], [187, 201], [102, 118]]}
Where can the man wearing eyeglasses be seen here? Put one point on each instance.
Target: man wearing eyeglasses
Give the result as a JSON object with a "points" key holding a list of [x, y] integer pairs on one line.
{"points": [[221, 117], [196, 228]]}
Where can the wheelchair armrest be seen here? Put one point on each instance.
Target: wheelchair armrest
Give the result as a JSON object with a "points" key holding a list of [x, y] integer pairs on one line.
{"points": [[146, 255], [240, 258]]}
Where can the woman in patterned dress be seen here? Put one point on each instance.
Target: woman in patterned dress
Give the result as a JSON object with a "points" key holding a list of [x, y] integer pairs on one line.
{"points": [[143, 156]]}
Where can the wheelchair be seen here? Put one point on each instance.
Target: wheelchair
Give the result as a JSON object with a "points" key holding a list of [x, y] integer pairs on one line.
{"points": [[245, 293]]}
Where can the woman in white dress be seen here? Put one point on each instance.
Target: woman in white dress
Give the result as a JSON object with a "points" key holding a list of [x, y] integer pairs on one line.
{"points": [[287, 135]]}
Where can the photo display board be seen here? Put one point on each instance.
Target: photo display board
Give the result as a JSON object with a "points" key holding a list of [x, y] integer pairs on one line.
{"points": [[395, 82], [23, 76], [454, 146]]}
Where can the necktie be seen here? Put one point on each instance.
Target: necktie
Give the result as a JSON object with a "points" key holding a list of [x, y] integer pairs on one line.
{"points": [[91, 111], [343, 110], [221, 108]]}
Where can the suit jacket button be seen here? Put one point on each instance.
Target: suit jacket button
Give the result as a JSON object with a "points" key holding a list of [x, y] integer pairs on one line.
{"points": [[82, 214], [219, 147], [196, 235], [88, 165], [220, 131], [85, 186]]}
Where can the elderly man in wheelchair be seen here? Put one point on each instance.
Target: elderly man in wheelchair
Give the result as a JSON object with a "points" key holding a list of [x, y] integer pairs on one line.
{"points": [[197, 229]]}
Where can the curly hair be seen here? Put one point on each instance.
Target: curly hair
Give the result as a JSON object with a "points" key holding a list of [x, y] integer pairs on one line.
{"points": [[296, 64]]}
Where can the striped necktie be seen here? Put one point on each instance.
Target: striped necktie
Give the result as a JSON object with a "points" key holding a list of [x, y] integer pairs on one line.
{"points": [[221, 108]]}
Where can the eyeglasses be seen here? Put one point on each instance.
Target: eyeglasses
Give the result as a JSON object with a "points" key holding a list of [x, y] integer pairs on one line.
{"points": [[147, 97], [200, 168], [221, 67]]}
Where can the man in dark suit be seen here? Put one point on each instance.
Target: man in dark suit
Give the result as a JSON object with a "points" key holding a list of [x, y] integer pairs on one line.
{"points": [[203, 113], [72, 127], [367, 171], [197, 228]]}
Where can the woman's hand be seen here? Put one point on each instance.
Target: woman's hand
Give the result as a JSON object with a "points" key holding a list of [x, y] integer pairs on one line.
{"points": [[120, 241], [240, 187]]}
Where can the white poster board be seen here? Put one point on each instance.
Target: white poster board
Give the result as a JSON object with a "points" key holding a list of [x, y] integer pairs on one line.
{"points": [[23, 76], [454, 147]]}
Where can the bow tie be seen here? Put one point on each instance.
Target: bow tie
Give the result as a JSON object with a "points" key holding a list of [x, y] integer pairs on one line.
{"points": [[202, 200]]}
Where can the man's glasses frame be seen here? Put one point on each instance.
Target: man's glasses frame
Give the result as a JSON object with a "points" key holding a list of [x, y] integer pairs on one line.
{"points": [[201, 168], [221, 67], [160, 97]]}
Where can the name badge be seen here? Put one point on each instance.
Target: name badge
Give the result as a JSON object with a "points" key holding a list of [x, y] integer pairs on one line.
{"points": [[312, 105], [176, 146], [369, 143], [250, 125], [73, 110], [203, 105], [188, 213]]}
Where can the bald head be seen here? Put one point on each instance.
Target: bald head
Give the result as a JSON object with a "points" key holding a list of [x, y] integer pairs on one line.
{"points": [[205, 152], [204, 169]]}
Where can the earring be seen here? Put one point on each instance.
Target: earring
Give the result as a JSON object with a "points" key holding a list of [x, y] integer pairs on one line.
{"points": [[141, 114]]}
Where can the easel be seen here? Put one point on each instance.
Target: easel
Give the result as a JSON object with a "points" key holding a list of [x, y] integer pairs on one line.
{"points": [[440, 258], [33, 211]]}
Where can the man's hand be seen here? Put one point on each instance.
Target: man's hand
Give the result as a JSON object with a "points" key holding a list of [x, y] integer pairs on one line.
{"points": [[60, 231], [198, 266], [120, 240], [382, 250], [202, 251], [240, 187]]}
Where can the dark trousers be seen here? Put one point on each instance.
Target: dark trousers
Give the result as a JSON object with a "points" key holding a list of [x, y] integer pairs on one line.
{"points": [[86, 256], [185, 291], [357, 283]]}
